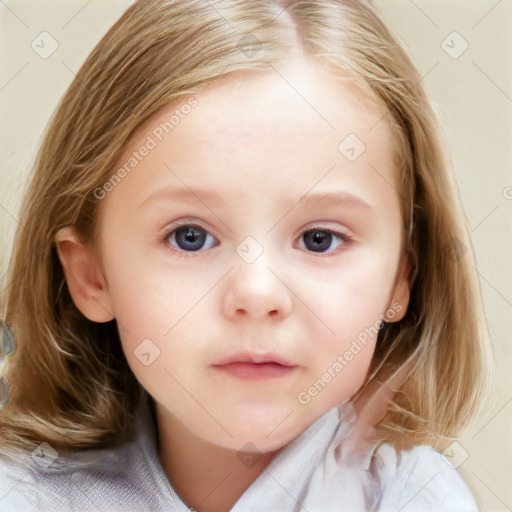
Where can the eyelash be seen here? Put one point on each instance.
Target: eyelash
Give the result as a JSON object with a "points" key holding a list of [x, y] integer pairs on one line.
{"points": [[346, 240]]}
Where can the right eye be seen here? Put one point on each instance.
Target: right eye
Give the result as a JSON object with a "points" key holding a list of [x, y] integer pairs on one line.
{"points": [[190, 238]]}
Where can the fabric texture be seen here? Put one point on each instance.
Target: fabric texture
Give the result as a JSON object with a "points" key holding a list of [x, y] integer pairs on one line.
{"points": [[314, 473]]}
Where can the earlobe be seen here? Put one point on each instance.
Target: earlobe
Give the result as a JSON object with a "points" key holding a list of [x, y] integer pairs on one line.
{"points": [[400, 301], [86, 283]]}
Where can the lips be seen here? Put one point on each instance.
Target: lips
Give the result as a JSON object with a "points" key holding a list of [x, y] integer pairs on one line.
{"points": [[252, 366]]}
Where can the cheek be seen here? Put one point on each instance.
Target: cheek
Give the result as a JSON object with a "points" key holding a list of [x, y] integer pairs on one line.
{"points": [[347, 307], [339, 374], [150, 298], [353, 297], [166, 314]]}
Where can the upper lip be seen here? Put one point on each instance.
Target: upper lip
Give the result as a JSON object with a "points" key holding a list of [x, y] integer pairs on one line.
{"points": [[254, 358]]}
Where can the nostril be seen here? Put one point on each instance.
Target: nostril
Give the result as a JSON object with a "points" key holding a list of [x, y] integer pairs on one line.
{"points": [[273, 312]]}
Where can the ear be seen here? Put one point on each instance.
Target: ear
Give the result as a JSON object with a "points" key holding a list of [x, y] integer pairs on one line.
{"points": [[402, 289], [85, 280]]}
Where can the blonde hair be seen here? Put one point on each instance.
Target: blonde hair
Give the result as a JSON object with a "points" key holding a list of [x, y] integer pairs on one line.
{"points": [[71, 385]]}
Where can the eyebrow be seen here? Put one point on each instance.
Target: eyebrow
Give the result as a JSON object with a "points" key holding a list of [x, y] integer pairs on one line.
{"points": [[184, 195], [337, 198], [308, 200]]}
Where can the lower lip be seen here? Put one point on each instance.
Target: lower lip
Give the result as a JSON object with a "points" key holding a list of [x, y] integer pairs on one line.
{"points": [[256, 371]]}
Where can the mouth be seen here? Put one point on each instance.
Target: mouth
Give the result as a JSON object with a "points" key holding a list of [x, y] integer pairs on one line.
{"points": [[255, 367]]}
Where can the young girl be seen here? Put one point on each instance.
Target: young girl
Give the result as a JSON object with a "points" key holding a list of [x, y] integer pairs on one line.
{"points": [[243, 279]]}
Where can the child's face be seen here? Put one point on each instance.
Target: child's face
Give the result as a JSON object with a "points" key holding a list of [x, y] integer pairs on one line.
{"points": [[264, 310]]}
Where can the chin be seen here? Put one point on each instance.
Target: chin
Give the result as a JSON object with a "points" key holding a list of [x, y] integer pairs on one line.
{"points": [[252, 440], [268, 429]]}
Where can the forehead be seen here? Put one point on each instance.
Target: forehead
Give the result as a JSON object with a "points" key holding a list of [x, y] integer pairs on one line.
{"points": [[291, 101], [279, 129]]}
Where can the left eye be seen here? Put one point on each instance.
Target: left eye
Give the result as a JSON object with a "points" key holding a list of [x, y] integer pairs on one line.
{"points": [[190, 238], [320, 240]]}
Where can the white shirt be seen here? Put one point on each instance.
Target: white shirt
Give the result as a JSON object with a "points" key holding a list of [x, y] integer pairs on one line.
{"points": [[313, 473]]}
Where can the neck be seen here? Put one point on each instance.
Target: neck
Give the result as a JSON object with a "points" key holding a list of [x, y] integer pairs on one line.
{"points": [[205, 476]]}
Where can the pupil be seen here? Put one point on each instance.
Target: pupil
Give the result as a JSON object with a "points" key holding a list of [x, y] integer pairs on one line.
{"points": [[189, 238], [317, 241]]}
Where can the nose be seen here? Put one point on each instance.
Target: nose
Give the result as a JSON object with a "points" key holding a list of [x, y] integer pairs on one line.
{"points": [[255, 292]]}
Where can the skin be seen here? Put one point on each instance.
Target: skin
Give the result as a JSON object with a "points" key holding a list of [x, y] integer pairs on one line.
{"points": [[259, 143]]}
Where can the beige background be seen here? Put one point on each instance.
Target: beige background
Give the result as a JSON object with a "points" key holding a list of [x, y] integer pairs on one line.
{"points": [[474, 94]]}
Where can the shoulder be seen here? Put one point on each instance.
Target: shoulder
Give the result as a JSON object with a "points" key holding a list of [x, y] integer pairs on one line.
{"points": [[125, 475], [105, 480], [420, 479], [109, 479], [17, 485]]}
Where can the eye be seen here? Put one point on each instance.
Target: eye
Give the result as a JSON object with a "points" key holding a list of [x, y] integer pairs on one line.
{"points": [[190, 238], [321, 240]]}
